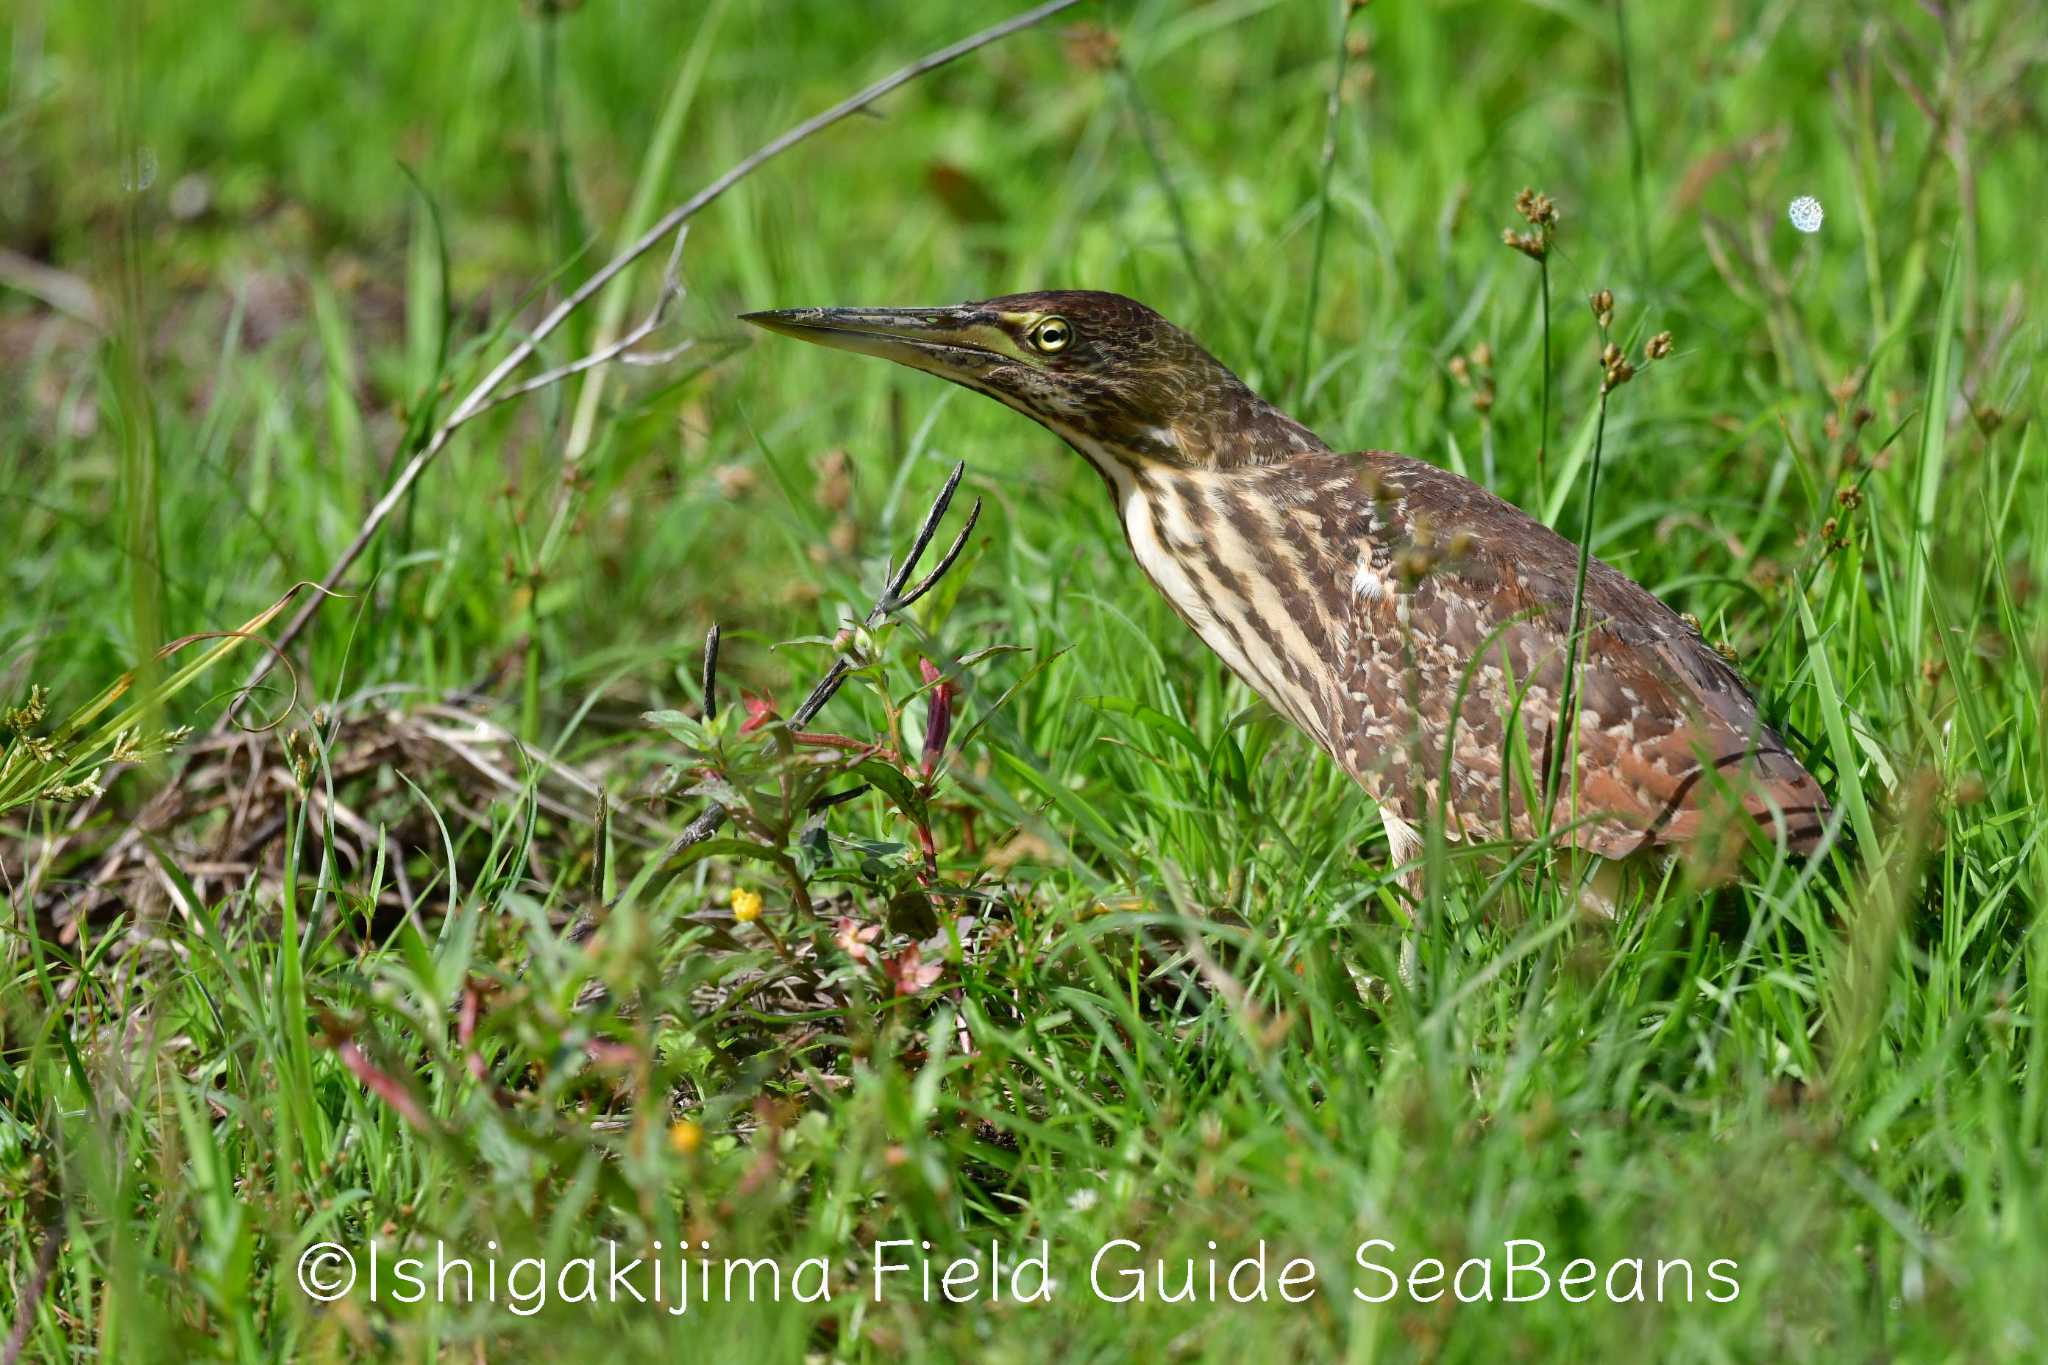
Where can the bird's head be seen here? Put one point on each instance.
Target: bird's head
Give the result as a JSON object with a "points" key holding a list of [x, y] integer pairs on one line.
{"points": [[1107, 374]]}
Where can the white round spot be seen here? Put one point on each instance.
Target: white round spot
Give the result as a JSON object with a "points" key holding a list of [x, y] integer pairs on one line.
{"points": [[1805, 213]]}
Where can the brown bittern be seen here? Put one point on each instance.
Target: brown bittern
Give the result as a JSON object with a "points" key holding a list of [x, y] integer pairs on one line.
{"points": [[1416, 626]]}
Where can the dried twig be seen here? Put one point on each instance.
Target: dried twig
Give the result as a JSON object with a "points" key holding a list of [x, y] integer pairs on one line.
{"points": [[256, 797], [480, 398], [60, 289], [622, 349]]}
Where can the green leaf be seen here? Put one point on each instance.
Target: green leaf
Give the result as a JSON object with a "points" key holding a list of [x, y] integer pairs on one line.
{"points": [[1835, 716], [910, 914], [891, 782], [1933, 455], [723, 848]]}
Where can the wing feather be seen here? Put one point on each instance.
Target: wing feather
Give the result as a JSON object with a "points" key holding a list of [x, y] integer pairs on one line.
{"points": [[1668, 732]]}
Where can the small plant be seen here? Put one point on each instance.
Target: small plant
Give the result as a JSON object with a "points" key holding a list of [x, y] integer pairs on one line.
{"points": [[69, 760], [1540, 212], [774, 780]]}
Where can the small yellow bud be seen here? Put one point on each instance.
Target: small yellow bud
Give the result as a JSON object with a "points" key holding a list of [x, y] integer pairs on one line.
{"points": [[685, 1137], [746, 905]]}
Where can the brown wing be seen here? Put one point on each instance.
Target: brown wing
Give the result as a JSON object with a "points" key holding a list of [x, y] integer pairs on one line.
{"points": [[1667, 732]]}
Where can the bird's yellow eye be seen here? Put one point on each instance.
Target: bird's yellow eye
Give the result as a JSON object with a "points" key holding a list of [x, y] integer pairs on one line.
{"points": [[1052, 335]]}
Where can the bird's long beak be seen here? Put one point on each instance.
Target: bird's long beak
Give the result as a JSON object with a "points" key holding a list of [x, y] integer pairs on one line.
{"points": [[956, 343]]}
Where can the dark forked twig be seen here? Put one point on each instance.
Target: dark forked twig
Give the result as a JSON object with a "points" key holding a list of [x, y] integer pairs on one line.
{"points": [[894, 597]]}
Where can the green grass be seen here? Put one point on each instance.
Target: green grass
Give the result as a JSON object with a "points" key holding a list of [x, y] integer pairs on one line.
{"points": [[325, 992]]}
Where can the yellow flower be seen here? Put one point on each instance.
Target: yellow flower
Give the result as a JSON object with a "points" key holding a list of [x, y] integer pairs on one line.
{"points": [[746, 905], [685, 1137]]}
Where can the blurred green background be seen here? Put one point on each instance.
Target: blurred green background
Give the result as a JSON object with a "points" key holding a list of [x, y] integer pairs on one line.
{"points": [[242, 247]]}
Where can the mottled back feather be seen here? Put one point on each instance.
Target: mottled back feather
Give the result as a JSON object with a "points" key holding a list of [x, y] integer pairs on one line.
{"points": [[1425, 593]]}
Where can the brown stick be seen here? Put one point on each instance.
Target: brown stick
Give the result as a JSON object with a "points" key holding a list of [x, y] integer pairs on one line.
{"points": [[479, 397]]}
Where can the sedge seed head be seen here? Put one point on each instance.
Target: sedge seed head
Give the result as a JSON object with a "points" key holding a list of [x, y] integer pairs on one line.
{"points": [[1602, 304]]}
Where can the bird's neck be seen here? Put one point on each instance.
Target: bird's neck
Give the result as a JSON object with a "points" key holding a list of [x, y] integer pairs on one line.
{"points": [[1225, 425], [1233, 431], [1252, 434]]}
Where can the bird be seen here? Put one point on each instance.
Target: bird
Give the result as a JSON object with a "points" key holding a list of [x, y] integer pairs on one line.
{"points": [[1425, 633]]}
